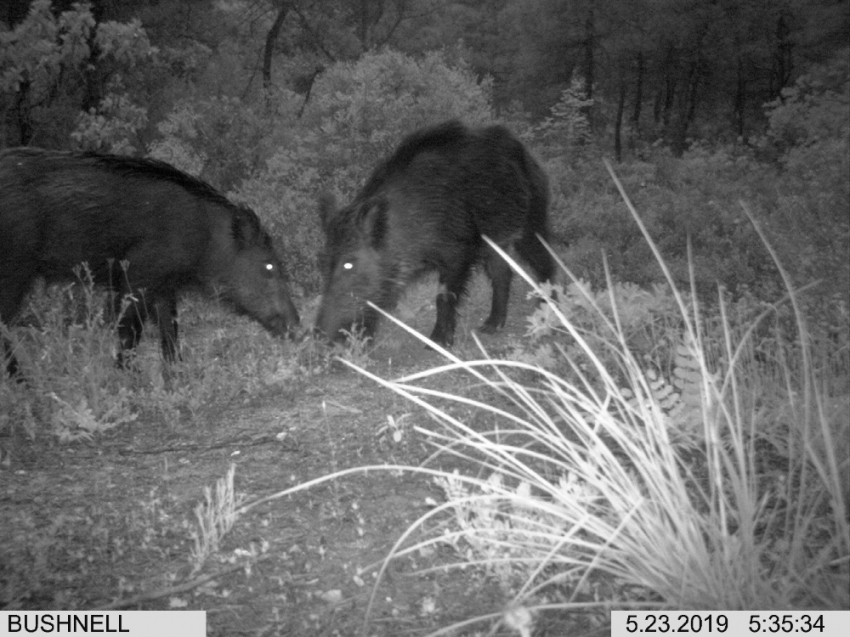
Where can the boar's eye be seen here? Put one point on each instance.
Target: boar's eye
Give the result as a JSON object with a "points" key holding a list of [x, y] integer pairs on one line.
{"points": [[348, 265], [270, 269]]}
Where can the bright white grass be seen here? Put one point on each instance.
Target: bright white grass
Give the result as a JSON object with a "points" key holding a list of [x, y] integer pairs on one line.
{"points": [[581, 480]]}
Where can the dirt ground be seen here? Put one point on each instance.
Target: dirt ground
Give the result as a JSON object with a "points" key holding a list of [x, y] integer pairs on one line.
{"points": [[108, 523]]}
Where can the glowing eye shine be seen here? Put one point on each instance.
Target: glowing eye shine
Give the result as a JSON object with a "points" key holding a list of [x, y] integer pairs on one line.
{"points": [[269, 266], [347, 266]]}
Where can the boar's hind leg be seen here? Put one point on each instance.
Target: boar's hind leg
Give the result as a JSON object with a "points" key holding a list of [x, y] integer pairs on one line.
{"points": [[451, 290], [131, 322], [163, 309], [538, 259], [130, 327], [12, 293], [165, 312], [537, 256], [500, 276]]}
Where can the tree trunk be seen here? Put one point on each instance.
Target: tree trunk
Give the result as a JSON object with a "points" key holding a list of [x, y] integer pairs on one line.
{"points": [[363, 31], [309, 90], [740, 98], [618, 124], [589, 45], [686, 111], [656, 107], [14, 12], [268, 51], [21, 112], [589, 67], [665, 106], [92, 76], [783, 60], [641, 70]]}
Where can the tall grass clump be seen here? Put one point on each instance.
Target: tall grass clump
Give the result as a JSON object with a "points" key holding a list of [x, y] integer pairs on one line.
{"points": [[66, 347], [71, 388], [582, 497]]}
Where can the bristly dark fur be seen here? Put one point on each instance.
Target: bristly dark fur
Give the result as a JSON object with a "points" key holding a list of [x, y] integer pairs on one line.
{"points": [[145, 168], [157, 170], [421, 141], [346, 220]]}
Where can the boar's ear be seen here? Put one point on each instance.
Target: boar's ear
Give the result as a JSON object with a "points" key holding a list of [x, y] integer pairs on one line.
{"points": [[327, 208], [244, 226], [374, 221]]}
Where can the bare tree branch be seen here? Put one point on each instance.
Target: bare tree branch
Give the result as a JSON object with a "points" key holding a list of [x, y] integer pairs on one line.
{"points": [[271, 38], [317, 41]]}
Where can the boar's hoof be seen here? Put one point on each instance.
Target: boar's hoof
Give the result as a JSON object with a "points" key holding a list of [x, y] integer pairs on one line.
{"points": [[443, 340], [490, 327]]}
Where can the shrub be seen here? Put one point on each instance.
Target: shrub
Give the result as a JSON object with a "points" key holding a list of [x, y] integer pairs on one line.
{"points": [[222, 140], [810, 133], [112, 127], [47, 69], [71, 383], [361, 110], [814, 109], [642, 318], [367, 106]]}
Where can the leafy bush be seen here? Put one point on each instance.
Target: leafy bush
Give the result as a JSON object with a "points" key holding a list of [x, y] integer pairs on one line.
{"points": [[71, 383], [222, 140], [365, 107], [643, 320], [361, 110], [47, 69], [810, 132], [814, 109], [112, 127]]}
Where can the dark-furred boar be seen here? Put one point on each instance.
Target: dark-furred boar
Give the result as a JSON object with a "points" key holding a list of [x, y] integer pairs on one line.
{"points": [[426, 208], [172, 232]]}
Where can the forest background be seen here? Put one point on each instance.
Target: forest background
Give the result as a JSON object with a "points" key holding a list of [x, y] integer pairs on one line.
{"points": [[704, 104]]}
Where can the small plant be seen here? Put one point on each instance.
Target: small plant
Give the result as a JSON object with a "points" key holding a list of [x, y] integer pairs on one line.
{"points": [[357, 346], [67, 347], [215, 517], [78, 421], [645, 318]]}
